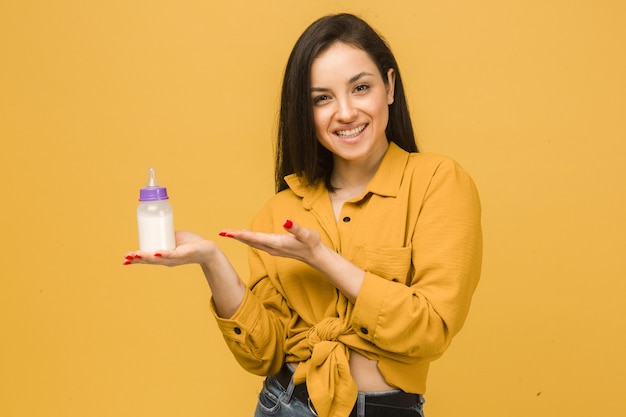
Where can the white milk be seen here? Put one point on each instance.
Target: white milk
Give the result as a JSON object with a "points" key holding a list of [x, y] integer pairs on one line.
{"points": [[156, 231]]}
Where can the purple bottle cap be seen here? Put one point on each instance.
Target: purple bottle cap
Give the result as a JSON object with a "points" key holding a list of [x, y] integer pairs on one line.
{"points": [[152, 191], [153, 194]]}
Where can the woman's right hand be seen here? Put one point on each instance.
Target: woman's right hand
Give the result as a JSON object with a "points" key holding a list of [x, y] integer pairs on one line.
{"points": [[227, 288], [190, 249]]}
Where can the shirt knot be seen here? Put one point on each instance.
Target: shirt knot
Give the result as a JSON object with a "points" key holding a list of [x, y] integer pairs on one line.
{"points": [[329, 329]]}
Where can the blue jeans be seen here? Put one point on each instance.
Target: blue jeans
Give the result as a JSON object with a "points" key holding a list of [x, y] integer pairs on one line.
{"points": [[276, 401]]}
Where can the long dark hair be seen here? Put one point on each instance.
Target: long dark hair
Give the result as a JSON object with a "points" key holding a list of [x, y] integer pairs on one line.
{"points": [[298, 150]]}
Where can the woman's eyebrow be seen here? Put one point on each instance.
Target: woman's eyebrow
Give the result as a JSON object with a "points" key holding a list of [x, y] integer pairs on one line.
{"points": [[359, 76], [352, 79]]}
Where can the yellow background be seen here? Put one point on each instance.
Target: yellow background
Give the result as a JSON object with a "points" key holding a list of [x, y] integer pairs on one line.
{"points": [[529, 95]]}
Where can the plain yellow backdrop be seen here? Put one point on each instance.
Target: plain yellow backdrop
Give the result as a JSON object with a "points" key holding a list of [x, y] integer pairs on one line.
{"points": [[529, 96]]}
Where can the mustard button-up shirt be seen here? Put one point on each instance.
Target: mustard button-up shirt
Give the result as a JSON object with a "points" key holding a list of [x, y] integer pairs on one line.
{"points": [[416, 231]]}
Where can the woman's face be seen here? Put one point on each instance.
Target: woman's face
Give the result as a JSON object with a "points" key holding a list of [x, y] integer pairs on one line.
{"points": [[350, 103]]}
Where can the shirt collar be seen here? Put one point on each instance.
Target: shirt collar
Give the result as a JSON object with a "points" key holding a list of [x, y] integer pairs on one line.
{"points": [[386, 181]]}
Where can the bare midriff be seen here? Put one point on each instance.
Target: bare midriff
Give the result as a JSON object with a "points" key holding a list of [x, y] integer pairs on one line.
{"points": [[366, 374]]}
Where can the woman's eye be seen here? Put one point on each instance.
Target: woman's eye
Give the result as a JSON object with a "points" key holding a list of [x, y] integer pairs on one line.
{"points": [[320, 99], [361, 87]]}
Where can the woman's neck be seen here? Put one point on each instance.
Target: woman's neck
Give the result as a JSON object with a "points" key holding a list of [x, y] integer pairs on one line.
{"points": [[350, 185], [350, 178]]}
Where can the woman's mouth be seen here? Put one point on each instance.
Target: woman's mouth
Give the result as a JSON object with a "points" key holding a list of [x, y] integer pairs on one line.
{"points": [[347, 134]]}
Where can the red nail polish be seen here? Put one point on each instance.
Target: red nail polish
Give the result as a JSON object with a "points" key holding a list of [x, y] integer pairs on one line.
{"points": [[127, 263], [137, 257], [129, 257], [288, 224], [158, 255], [223, 234]]}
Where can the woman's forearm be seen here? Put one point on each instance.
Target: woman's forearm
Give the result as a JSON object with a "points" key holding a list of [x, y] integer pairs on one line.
{"points": [[226, 286], [345, 276]]}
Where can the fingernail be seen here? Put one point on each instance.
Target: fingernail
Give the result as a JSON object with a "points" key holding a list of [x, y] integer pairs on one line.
{"points": [[129, 257], [288, 224], [223, 234], [127, 262], [158, 255], [137, 257]]}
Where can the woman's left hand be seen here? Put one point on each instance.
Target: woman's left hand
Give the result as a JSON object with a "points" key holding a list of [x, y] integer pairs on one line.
{"points": [[300, 243], [306, 245]]}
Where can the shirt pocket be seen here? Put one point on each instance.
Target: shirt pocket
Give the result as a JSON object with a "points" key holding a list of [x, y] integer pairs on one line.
{"points": [[392, 263]]}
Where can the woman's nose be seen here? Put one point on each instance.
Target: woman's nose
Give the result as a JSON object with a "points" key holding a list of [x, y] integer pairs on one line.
{"points": [[346, 110]]}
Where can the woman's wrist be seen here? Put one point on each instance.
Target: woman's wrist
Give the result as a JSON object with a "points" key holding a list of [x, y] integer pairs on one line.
{"points": [[322, 258], [207, 255]]}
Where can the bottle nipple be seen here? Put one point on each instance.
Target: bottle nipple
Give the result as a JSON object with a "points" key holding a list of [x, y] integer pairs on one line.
{"points": [[152, 191], [152, 180]]}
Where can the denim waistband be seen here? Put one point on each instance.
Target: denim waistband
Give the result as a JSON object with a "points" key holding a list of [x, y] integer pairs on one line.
{"points": [[395, 398]]}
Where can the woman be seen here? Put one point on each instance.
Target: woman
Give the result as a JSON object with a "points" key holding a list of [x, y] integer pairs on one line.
{"points": [[364, 263]]}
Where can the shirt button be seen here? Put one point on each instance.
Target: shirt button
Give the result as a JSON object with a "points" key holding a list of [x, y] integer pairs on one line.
{"points": [[346, 219], [237, 330], [364, 330]]}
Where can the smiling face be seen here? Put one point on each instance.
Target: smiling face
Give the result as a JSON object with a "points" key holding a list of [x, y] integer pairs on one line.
{"points": [[350, 104]]}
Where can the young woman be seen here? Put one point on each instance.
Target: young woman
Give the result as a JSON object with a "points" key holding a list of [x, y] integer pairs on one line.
{"points": [[364, 263]]}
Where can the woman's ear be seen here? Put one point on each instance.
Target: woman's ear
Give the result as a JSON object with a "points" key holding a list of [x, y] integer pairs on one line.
{"points": [[391, 85]]}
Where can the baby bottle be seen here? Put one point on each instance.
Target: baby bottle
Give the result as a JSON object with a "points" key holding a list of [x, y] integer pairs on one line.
{"points": [[155, 217]]}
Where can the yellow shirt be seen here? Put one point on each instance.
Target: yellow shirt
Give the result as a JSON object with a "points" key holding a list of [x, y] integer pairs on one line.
{"points": [[415, 231]]}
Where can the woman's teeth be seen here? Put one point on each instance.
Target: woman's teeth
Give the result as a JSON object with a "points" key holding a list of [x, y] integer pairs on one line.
{"points": [[351, 132]]}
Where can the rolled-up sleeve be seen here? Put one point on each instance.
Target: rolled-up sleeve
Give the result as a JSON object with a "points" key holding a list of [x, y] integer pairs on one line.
{"points": [[419, 318]]}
